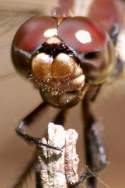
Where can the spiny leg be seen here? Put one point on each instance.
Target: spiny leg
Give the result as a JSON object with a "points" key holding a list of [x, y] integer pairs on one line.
{"points": [[26, 122], [26, 172], [38, 180], [61, 117], [31, 140], [20, 130], [94, 149]]}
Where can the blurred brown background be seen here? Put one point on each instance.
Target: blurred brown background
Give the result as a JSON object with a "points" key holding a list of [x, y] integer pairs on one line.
{"points": [[18, 98]]}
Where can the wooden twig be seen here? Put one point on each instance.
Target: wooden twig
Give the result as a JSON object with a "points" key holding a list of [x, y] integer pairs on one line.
{"points": [[58, 168]]}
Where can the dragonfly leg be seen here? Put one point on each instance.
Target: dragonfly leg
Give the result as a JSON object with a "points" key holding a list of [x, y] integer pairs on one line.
{"points": [[20, 130], [38, 180], [23, 124], [31, 139], [26, 172], [96, 158], [27, 121], [61, 117]]}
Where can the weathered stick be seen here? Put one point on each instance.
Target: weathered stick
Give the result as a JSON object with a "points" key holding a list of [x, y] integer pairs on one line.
{"points": [[58, 168]]}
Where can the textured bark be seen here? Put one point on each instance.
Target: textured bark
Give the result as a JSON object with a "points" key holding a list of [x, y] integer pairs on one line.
{"points": [[58, 168]]}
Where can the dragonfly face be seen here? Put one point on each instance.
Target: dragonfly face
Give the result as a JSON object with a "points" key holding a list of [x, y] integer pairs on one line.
{"points": [[62, 56]]}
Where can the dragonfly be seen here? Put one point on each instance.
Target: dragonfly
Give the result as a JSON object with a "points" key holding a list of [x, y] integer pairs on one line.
{"points": [[22, 15]]}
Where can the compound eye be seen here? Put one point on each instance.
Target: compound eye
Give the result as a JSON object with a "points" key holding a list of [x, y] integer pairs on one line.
{"points": [[30, 36], [34, 32], [98, 65], [81, 34]]}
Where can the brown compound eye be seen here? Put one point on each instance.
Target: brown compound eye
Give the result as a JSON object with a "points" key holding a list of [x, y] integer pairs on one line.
{"points": [[31, 35], [92, 47], [98, 65], [35, 32], [81, 34]]}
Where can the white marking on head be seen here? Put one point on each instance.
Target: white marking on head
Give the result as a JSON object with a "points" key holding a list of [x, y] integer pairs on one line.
{"points": [[50, 32], [83, 36]]}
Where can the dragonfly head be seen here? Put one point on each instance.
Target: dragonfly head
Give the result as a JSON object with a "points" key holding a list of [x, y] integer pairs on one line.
{"points": [[62, 56]]}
